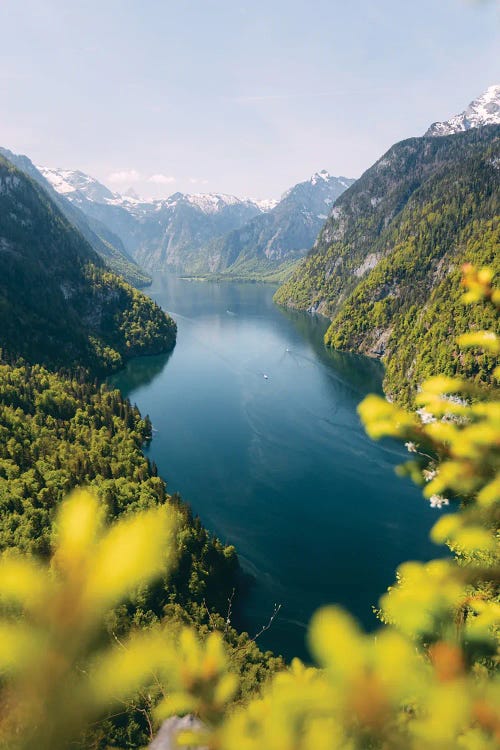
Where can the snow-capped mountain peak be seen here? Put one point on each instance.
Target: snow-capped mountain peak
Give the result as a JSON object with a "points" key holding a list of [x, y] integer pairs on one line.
{"points": [[211, 203], [79, 187], [324, 185], [485, 110], [323, 175], [70, 181], [266, 204]]}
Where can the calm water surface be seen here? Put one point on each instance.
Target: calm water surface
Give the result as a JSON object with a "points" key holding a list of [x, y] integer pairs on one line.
{"points": [[278, 466]]}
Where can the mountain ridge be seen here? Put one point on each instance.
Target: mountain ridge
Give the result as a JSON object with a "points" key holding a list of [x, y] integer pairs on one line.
{"points": [[484, 110], [192, 233], [371, 262], [78, 185], [107, 244], [273, 241], [59, 304]]}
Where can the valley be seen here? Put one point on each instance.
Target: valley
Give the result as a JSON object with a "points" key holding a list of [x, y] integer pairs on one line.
{"points": [[246, 451], [214, 411]]}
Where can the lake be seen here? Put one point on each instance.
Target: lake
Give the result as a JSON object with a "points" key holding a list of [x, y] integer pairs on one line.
{"points": [[255, 425]]}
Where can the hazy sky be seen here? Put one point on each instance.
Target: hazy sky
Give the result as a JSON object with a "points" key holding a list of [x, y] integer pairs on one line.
{"points": [[237, 97]]}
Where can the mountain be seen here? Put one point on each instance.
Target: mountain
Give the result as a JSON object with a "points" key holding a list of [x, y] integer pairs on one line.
{"points": [[177, 234], [485, 110], [97, 234], [273, 240], [75, 184], [171, 233], [386, 265], [211, 232], [59, 305]]}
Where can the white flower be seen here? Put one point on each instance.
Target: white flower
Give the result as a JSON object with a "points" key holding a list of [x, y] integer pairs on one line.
{"points": [[425, 416], [411, 447], [429, 474], [437, 501]]}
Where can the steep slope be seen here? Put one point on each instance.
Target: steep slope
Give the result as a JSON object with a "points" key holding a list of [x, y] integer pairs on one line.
{"points": [[58, 303], [485, 110], [177, 235], [107, 244], [93, 200], [272, 241], [76, 184], [207, 233], [172, 233], [386, 262]]}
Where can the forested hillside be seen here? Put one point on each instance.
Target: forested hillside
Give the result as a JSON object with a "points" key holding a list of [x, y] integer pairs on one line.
{"points": [[58, 302], [102, 239], [64, 318], [386, 264], [58, 432]]}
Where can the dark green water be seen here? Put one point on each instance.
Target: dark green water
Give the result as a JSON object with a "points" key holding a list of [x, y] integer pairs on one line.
{"points": [[279, 467]]}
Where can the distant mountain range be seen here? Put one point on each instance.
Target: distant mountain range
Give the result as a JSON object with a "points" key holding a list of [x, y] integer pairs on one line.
{"points": [[485, 110], [269, 243], [213, 234], [206, 233]]}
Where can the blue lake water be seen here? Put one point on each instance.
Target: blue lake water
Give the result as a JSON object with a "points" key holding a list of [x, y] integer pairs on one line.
{"points": [[279, 466]]}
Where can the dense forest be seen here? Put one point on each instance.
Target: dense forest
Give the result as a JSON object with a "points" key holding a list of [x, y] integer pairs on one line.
{"points": [[58, 432], [428, 678], [99, 639], [59, 304], [386, 265], [65, 319], [411, 300], [102, 239]]}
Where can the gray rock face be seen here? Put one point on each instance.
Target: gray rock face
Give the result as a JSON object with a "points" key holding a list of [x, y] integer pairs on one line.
{"points": [[178, 233], [206, 233], [485, 110], [286, 232], [357, 234]]}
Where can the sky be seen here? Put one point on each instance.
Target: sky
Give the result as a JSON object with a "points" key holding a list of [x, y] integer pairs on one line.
{"points": [[246, 98]]}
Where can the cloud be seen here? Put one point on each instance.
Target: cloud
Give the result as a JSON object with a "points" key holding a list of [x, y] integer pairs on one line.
{"points": [[124, 176], [161, 179], [197, 181]]}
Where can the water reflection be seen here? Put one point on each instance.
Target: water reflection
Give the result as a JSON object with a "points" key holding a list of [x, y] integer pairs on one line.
{"points": [[279, 466], [141, 372]]}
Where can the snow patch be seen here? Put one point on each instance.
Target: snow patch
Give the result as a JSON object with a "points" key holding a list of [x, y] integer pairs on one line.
{"points": [[266, 204], [485, 110], [318, 177], [72, 183]]}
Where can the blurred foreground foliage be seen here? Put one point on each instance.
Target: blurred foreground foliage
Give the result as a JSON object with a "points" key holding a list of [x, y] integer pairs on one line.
{"points": [[427, 679], [60, 431]]}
